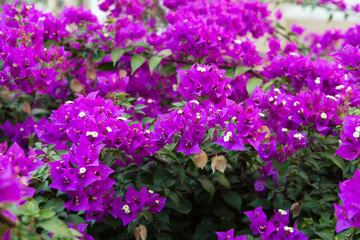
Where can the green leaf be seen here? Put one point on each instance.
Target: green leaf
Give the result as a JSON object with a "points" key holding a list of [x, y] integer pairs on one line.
{"points": [[98, 56], [168, 69], [282, 168], [186, 67], [55, 204], [240, 70], [147, 120], [140, 106], [335, 159], [56, 226], [207, 185], [136, 62], [74, 219], [252, 83], [105, 66], [116, 54], [164, 53], [220, 178], [233, 199], [180, 170], [37, 111], [267, 85], [229, 73], [326, 234], [154, 62], [142, 44], [184, 207], [46, 214]]}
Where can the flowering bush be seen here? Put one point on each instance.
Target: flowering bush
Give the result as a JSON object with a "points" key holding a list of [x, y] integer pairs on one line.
{"points": [[167, 122]]}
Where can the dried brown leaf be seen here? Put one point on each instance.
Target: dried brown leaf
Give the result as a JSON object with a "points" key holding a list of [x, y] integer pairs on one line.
{"points": [[26, 108], [218, 163], [77, 87], [200, 159], [140, 232]]}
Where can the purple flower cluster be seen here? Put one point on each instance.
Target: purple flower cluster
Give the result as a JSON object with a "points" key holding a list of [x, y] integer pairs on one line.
{"points": [[204, 80], [135, 202], [275, 229], [20, 132], [229, 235], [80, 173], [348, 214], [97, 123], [201, 29], [25, 63], [129, 7], [15, 172], [350, 144]]}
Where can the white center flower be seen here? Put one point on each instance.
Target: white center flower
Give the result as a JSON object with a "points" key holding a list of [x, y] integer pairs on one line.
{"points": [[109, 129], [69, 102], [180, 111], [323, 116], [290, 117], [82, 170], [261, 115], [331, 97], [298, 136], [201, 69], [121, 118], [227, 136], [356, 134], [284, 102], [294, 54], [282, 212], [339, 87], [93, 134], [296, 103], [346, 77], [22, 129], [151, 191], [271, 99], [348, 89], [357, 128], [290, 229], [238, 41], [126, 209], [82, 114], [233, 118], [284, 129], [317, 80]]}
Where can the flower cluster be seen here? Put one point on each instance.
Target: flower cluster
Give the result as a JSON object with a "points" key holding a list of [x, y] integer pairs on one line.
{"points": [[20, 132], [229, 235], [350, 144], [15, 172], [97, 124], [26, 63], [204, 80], [276, 228], [348, 214], [135, 202]]}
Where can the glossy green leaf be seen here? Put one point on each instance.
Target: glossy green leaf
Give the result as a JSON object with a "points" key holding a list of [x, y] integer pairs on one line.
{"points": [[252, 84], [116, 54], [136, 62]]}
